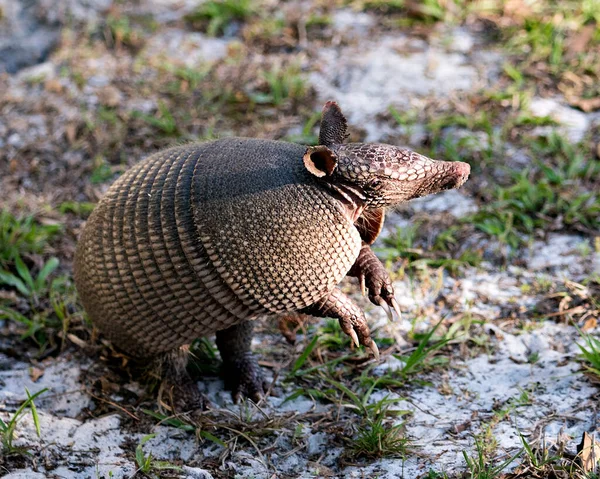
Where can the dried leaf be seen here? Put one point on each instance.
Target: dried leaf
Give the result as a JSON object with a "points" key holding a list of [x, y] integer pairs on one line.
{"points": [[591, 323], [35, 373], [462, 427], [579, 42], [77, 341], [588, 452], [586, 104]]}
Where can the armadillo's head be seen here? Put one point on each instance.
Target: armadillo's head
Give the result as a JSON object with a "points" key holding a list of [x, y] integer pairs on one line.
{"points": [[377, 175]]}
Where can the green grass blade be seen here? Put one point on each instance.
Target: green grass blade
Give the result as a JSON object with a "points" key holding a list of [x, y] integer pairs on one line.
{"points": [[212, 438], [24, 272], [34, 414], [305, 354], [353, 397], [11, 280], [46, 271], [169, 421]]}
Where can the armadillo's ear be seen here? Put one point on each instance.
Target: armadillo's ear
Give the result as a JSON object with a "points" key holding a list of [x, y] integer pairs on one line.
{"points": [[333, 125], [320, 160]]}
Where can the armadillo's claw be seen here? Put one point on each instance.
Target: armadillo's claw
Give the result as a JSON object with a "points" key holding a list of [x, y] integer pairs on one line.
{"points": [[348, 328], [396, 307], [358, 330], [354, 337], [363, 287], [375, 350], [386, 307]]}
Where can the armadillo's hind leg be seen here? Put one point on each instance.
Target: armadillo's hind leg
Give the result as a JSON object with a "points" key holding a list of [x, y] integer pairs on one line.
{"points": [[351, 317], [178, 391], [241, 372]]}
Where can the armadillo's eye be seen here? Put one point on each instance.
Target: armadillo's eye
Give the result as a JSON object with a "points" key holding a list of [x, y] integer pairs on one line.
{"points": [[375, 184]]}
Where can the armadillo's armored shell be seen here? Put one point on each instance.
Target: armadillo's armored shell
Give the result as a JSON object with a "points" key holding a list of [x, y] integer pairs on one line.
{"points": [[277, 238], [196, 238]]}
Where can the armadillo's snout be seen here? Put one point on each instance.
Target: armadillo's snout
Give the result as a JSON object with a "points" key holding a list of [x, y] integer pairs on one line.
{"points": [[458, 174], [463, 170]]}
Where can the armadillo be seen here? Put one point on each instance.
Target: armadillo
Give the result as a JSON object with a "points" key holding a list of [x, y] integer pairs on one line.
{"points": [[204, 238]]}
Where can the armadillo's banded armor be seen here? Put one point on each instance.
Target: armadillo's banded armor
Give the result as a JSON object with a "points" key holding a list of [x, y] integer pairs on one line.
{"points": [[194, 239]]}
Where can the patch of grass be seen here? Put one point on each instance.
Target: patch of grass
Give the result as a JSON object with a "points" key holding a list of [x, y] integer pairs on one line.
{"points": [[554, 461], [431, 474], [147, 464], [21, 235], [164, 121], [185, 78], [538, 458], [302, 367], [215, 16], [426, 11], [480, 121], [184, 425], [590, 353], [119, 32], [24, 282], [423, 357], [7, 429], [78, 208], [270, 31], [480, 467], [307, 136], [203, 357], [384, 6], [375, 437], [102, 171], [403, 244], [318, 20], [556, 45], [550, 195], [468, 329], [48, 306], [280, 84], [108, 115], [539, 40], [52, 317], [41, 302]]}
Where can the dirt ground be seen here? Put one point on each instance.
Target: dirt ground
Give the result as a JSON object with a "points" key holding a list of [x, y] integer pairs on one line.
{"points": [[493, 370]]}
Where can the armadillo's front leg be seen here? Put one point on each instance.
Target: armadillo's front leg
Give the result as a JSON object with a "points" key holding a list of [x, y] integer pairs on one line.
{"points": [[372, 274], [351, 317], [241, 372]]}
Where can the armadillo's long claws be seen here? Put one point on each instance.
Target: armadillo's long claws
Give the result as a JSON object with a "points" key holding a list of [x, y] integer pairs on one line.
{"points": [[363, 287], [375, 350], [348, 328], [396, 307], [351, 318], [354, 337], [386, 307]]}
